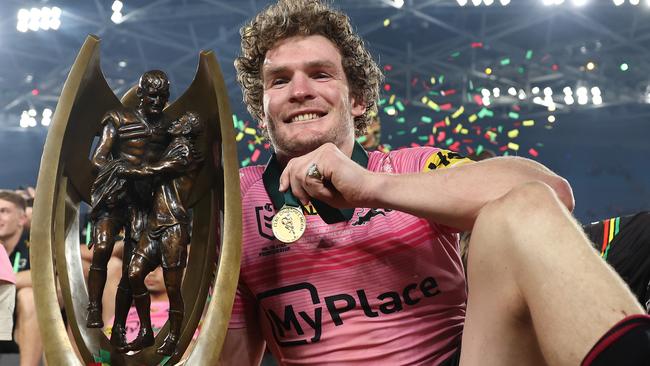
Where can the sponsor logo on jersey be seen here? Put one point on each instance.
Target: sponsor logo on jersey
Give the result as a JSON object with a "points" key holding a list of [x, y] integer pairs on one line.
{"points": [[264, 215], [443, 159], [296, 325], [364, 217]]}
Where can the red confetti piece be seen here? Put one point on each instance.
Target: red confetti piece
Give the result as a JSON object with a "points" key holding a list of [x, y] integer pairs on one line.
{"points": [[533, 152], [478, 100], [516, 107], [387, 87], [256, 155], [477, 45], [555, 67], [503, 148], [448, 92], [388, 67], [431, 141], [440, 124], [35, 92], [414, 81], [441, 136], [445, 107], [470, 151], [455, 146], [467, 141]]}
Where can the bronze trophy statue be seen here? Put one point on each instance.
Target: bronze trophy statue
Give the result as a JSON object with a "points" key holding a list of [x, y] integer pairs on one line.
{"points": [[155, 162], [167, 230]]}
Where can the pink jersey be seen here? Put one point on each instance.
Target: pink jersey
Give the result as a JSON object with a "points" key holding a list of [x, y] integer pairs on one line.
{"points": [[6, 271], [385, 287]]}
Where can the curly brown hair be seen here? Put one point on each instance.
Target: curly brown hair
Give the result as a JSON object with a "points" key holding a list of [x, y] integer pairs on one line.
{"points": [[289, 18]]}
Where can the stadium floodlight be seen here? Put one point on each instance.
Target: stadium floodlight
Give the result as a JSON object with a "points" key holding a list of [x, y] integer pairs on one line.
{"points": [[117, 6], [634, 2], [512, 91], [618, 2], [116, 18], [597, 100], [595, 91], [535, 90], [568, 99], [462, 2], [488, 2], [551, 118], [35, 19], [496, 92], [476, 2], [505, 2], [485, 92], [579, 2]]}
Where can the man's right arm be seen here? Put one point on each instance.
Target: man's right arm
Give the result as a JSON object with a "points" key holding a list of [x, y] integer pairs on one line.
{"points": [[244, 346], [103, 149]]}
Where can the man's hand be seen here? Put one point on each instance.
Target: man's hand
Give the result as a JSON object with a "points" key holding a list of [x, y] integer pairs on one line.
{"points": [[344, 183], [126, 170]]}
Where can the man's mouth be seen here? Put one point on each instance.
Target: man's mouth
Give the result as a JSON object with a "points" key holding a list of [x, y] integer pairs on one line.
{"points": [[305, 117]]}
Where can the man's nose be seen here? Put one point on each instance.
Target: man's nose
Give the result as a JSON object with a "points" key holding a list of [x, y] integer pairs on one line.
{"points": [[302, 89]]}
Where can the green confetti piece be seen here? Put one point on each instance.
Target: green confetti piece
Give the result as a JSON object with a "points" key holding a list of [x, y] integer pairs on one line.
{"points": [[401, 133], [521, 70], [505, 61], [471, 85], [484, 112], [479, 149], [164, 361], [423, 138], [433, 92], [441, 79], [382, 101], [455, 54], [251, 147], [401, 120], [529, 54], [506, 153], [500, 129], [246, 162], [414, 130], [362, 139], [390, 110], [88, 226], [400, 106], [426, 119], [469, 97], [449, 141], [540, 144], [513, 115]]}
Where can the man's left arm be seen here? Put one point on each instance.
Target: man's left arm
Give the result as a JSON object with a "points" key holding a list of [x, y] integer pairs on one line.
{"points": [[453, 196]]}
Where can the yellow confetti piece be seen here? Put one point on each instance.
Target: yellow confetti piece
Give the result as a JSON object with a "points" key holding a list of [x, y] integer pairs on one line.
{"points": [[391, 100], [424, 100], [528, 123], [513, 146], [458, 128], [249, 131], [447, 121], [386, 22], [434, 130], [433, 80], [464, 131], [433, 105], [458, 112], [472, 118], [239, 137], [513, 133]]}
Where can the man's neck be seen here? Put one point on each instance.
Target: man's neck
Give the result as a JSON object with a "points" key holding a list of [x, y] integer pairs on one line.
{"points": [[10, 242]]}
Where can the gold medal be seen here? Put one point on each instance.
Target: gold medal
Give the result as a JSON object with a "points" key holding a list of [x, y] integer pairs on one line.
{"points": [[289, 224]]}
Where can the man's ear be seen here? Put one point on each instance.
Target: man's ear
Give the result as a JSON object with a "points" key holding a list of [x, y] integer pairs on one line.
{"points": [[138, 92], [358, 107]]}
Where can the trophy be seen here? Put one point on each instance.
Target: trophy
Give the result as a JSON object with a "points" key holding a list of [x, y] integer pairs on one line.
{"points": [[166, 175]]}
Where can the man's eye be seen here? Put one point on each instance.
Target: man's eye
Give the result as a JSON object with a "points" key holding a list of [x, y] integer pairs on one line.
{"points": [[278, 81], [322, 75]]}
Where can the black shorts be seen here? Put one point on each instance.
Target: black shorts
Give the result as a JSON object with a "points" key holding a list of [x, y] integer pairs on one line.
{"points": [[624, 242]]}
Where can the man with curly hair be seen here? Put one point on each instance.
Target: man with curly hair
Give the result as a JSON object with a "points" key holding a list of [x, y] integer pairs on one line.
{"points": [[376, 277]]}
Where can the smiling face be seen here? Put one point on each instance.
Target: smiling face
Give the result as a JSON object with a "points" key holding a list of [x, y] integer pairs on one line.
{"points": [[307, 101]]}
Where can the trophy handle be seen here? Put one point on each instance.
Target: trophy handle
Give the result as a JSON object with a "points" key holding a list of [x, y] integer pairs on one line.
{"points": [[63, 182]]}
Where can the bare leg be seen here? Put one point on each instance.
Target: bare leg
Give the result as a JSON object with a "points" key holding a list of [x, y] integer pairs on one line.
{"points": [[103, 239], [173, 281], [538, 292], [123, 300], [138, 270], [27, 334]]}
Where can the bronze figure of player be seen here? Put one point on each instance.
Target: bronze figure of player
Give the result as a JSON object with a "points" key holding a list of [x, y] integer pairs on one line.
{"points": [[134, 136], [168, 229]]}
